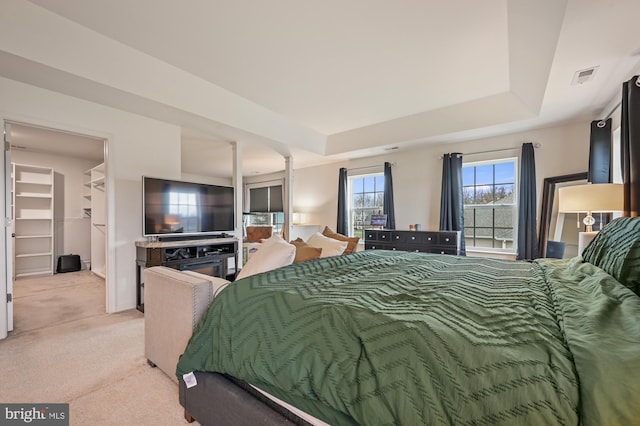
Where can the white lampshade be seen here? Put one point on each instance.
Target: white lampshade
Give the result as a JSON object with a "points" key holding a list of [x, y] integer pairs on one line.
{"points": [[594, 197]]}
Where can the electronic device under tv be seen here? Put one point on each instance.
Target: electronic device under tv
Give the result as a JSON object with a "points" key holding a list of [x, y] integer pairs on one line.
{"points": [[176, 208]]}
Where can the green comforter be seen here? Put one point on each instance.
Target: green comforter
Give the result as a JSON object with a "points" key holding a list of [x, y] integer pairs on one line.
{"points": [[390, 338]]}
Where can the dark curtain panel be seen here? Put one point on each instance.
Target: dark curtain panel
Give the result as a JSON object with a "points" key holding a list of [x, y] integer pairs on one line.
{"points": [[527, 226], [600, 152], [630, 145], [343, 216], [388, 198], [451, 201]]}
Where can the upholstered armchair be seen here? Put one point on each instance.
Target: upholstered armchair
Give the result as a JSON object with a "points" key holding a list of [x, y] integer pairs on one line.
{"points": [[255, 234]]}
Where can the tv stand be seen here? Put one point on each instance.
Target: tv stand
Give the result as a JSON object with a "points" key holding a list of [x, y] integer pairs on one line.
{"points": [[208, 255], [169, 238]]}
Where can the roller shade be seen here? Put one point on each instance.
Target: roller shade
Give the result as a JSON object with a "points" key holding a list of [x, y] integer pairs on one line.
{"points": [[267, 199]]}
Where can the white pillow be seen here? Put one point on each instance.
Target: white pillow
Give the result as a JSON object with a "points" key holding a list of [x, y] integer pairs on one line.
{"points": [[330, 247], [274, 253]]}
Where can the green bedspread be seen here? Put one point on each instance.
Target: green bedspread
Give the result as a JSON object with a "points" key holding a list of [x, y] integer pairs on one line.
{"points": [[391, 338]]}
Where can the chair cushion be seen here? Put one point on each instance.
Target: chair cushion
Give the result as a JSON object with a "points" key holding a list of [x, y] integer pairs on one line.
{"points": [[255, 234]]}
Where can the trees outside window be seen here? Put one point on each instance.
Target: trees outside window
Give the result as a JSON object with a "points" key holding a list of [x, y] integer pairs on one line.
{"points": [[366, 197], [490, 204]]}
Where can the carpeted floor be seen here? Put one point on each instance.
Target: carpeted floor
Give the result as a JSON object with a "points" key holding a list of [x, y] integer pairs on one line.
{"points": [[65, 348]]}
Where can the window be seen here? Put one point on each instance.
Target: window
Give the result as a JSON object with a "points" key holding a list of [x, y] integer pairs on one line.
{"points": [[266, 206], [274, 219], [366, 196], [490, 200]]}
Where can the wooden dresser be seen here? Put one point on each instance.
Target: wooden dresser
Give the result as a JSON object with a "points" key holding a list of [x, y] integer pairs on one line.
{"points": [[441, 242]]}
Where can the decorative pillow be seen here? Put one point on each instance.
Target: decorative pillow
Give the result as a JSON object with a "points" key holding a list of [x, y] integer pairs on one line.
{"points": [[274, 253], [616, 250], [330, 247], [304, 251], [352, 241]]}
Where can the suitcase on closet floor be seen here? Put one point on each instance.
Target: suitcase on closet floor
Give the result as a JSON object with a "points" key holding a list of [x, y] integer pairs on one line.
{"points": [[68, 263]]}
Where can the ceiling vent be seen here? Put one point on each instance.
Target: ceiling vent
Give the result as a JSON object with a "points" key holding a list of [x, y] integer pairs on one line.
{"points": [[584, 76]]}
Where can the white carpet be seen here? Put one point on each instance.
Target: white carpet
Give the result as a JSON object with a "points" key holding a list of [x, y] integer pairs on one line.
{"points": [[95, 363]]}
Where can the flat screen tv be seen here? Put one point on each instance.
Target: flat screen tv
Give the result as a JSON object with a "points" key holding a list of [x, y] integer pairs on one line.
{"points": [[173, 207]]}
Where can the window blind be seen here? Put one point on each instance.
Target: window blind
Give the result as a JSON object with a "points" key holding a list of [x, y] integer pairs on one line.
{"points": [[267, 199]]}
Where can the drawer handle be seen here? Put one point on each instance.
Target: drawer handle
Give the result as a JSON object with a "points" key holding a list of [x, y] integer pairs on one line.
{"points": [[442, 252], [446, 239], [397, 237], [393, 249], [429, 238], [413, 238]]}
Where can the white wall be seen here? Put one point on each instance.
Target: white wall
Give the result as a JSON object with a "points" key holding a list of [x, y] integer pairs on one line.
{"points": [[140, 146], [211, 180], [136, 146], [71, 229], [417, 173]]}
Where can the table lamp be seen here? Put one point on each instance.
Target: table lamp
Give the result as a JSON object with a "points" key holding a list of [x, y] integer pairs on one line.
{"points": [[590, 198]]}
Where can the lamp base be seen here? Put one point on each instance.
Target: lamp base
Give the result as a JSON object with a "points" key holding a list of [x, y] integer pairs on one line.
{"points": [[584, 238]]}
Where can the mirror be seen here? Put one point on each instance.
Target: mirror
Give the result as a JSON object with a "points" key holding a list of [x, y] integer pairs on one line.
{"points": [[565, 229]]}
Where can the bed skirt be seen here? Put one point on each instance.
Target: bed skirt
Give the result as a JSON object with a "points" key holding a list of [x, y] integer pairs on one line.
{"points": [[218, 399]]}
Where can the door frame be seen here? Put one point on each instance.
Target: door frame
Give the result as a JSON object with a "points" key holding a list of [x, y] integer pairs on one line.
{"points": [[6, 262], [110, 287]]}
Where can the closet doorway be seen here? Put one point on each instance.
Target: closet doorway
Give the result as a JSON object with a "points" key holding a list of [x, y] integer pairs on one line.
{"points": [[58, 204]]}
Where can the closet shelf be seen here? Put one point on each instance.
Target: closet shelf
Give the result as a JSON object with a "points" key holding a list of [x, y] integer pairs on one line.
{"points": [[33, 189], [34, 195], [32, 255]]}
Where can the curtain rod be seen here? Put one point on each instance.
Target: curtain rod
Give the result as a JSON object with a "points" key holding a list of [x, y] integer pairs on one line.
{"points": [[535, 145], [368, 167], [601, 123]]}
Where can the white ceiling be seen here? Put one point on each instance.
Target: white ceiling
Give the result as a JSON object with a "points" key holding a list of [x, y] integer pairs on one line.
{"points": [[370, 74], [43, 140]]}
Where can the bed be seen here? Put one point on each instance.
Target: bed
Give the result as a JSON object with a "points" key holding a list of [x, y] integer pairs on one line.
{"points": [[384, 337]]}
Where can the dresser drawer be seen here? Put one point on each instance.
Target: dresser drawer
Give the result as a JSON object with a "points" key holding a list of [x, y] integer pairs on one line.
{"points": [[412, 237], [431, 237], [376, 245], [444, 250], [371, 235], [384, 236], [419, 248], [398, 237], [447, 238]]}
